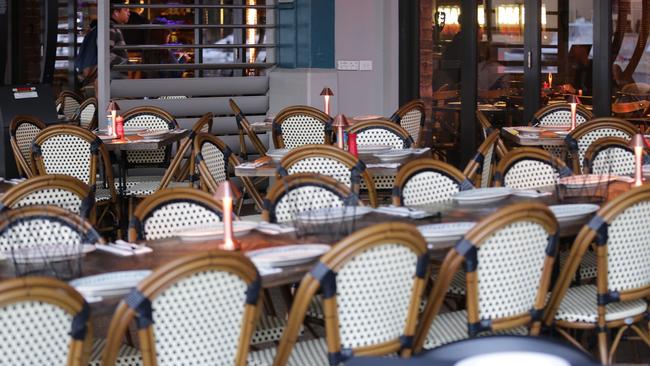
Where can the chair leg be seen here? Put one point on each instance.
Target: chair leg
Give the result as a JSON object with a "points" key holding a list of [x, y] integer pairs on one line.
{"points": [[616, 342], [602, 347]]}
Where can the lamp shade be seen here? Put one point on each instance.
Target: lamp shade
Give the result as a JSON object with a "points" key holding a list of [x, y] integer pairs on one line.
{"points": [[573, 99], [637, 141], [227, 189], [327, 91], [340, 121], [112, 106]]}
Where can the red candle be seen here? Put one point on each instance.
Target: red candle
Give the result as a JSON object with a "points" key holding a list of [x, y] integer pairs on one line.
{"points": [[119, 127], [352, 144]]}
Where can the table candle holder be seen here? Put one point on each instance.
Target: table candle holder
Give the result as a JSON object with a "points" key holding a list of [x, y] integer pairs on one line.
{"points": [[226, 192]]}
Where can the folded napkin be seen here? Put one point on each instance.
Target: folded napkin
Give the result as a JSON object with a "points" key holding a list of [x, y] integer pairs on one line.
{"points": [[532, 193], [265, 271], [250, 165], [383, 165], [420, 151], [124, 249], [403, 212], [177, 130], [274, 229], [12, 181]]}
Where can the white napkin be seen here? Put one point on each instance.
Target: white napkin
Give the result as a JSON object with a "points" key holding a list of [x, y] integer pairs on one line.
{"points": [[250, 165], [124, 249], [403, 212], [177, 130], [383, 165], [12, 181], [274, 229], [265, 271], [420, 151], [530, 193]]}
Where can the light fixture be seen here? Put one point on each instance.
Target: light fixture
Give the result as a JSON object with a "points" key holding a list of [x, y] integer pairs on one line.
{"points": [[573, 102], [226, 192], [550, 80], [340, 122], [112, 109], [637, 143], [327, 93]]}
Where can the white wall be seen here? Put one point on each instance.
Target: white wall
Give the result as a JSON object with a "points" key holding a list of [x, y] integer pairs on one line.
{"points": [[365, 30]]}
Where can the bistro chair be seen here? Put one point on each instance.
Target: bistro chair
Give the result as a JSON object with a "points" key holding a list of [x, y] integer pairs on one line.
{"points": [[631, 109], [44, 322], [199, 309], [411, 117], [245, 129], [303, 192], [214, 160], [87, 114], [331, 161], [33, 225], [67, 103], [619, 300], [579, 140], [508, 258], [22, 131], [77, 152], [52, 190], [559, 115], [528, 168], [301, 125], [480, 169], [611, 155], [445, 122], [187, 169], [487, 128], [424, 181], [371, 283]]}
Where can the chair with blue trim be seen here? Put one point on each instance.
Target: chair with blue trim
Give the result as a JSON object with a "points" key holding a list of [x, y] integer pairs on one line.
{"points": [[579, 140], [331, 161], [508, 258], [611, 155], [200, 309], [487, 129], [86, 115], [480, 169], [411, 117], [559, 116], [426, 180], [245, 129], [44, 322], [618, 302], [528, 168], [22, 132], [301, 125], [371, 283]]}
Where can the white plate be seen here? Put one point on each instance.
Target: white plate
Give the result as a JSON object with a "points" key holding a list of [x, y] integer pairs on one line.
{"points": [[516, 358], [571, 212], [483, 195], [529, 131], [333, 214], [372, 149], [277, 154], [287, 255], [445, 231], [587, 180], [215, 231], [152, 134], [38, 254], [111, 283], [393, 155]]}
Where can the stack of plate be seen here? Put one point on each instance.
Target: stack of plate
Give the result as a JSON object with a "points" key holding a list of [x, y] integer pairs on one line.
{"points": [[446, 231], [333, 214], [239, 228], [587, 180], [287, 255], [390, 156], [573, 212], [482, 195], [109, 284], [529, 132], [277, 154], [152, 134], [372, 149]]}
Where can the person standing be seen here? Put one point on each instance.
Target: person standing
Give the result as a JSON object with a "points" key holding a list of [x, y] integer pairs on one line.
{"points": [[118, 57]]}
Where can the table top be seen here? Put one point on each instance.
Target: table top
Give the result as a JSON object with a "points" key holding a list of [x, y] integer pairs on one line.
{"points": [[511, 135], [135, 142]]}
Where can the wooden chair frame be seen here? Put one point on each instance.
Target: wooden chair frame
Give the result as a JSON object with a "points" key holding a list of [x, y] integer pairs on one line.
{"points": [[207, 181], [475, 237], [245, 129], [417, 104], [527, 153], [588, 235], [604, 143], [180, 171], [164, 277], [334, 260], [62, 97], [94, 121], [160, 113], [474, 170], [25, 168], [595, 124], [59, 294], [353, 163], [413, 167], [285, 184], [625, 109], [385, 125], [486, 126], [580, 110], [166, 196], [64, 182], [278, 139]]}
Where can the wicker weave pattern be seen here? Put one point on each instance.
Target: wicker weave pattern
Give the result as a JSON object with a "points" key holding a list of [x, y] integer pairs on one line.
{"points": [[411, 123], [579, 305], [486, 172], [305, 198], [52, 197], [299, 130], [510, 265], [214, 159], [530, 173], [428, 187], [37, 231], [25, 134], [559, 118], [87, 114], [153, 123], [613, 160], [70, 106], [167, 220], [68, 155], [324, 166], [373, 294], [34, 333], [197, 321], [628, 260], [380, 136], [588, 138]]}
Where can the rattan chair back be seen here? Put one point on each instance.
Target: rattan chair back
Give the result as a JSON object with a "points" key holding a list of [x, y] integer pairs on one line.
{"points": [[301, 125], [371, 283], [579, 140], [245, 129], [480, 169], [611, 155], [529, 167], [87, 114], [424, 181], [331, 161], [178, 170], [381, 132], [559, 115], [303, 192], [22, 132], [411, 117], [200, 309], [638, 108], [44, 322], [152, 119], [68, 103], [487, 128], [169, 211]]}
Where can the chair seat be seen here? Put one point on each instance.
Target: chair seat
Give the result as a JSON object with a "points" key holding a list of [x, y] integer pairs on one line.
{"points": [[579, 305], [588, 265], [312, 352], [102, 194], [457, 285], [126, 356], [315, 309], [269, 329], [450, 327]]}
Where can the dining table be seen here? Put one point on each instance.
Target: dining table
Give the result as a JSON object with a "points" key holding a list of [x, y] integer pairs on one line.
{"points": [[514, 137]]}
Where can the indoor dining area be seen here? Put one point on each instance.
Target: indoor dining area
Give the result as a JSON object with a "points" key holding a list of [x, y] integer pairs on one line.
{"points": [[325, 182]]}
